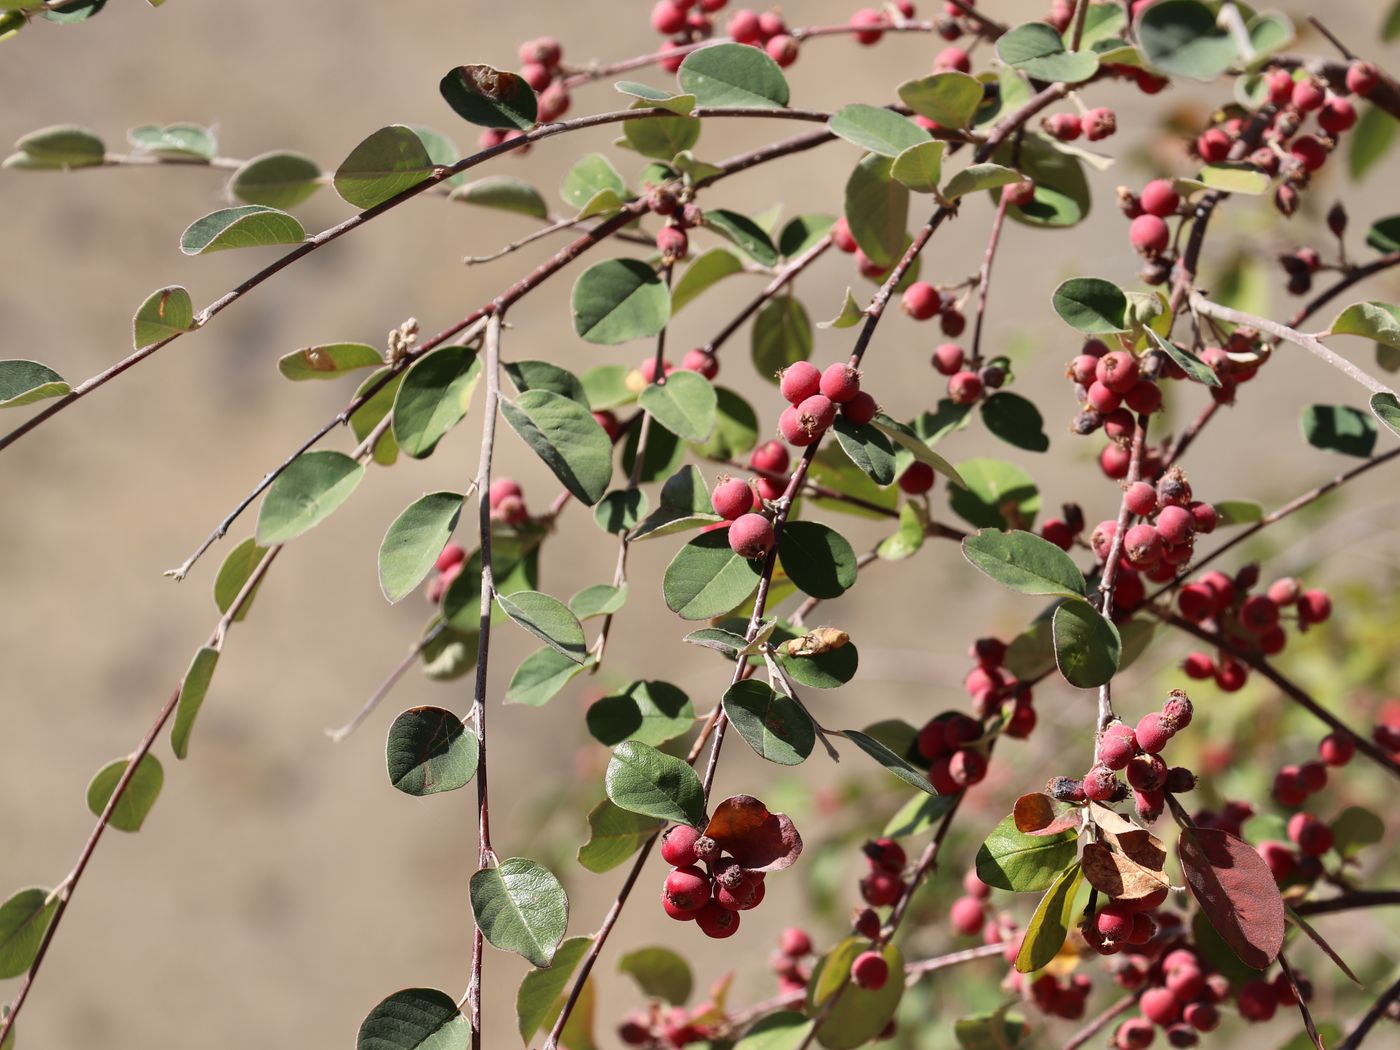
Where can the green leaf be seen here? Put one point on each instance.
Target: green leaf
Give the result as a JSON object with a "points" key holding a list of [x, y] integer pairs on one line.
{"points": [[876, 129], [736, 427], [599, 599], [911, 443], [414, 541], [305, 494], [708, 268], [614, 835], [434, 397], [541, 375], [651, 712], [706, 578], [237, 567], [1024, 562], [548, 619], [619, 300], [281, 179], [682, 105], [538, 1001], [868, 448], [591, 175], [1339, 428], [802, 232], [24, 382], [1384, 234], [1015, 420], [1371, 140], [999, 495], [860, 1014], [887, 758], [782, 335], [772, 723], [247, 226], [684, 404], [503, 193], [490, 97], [540, 676], [521, 907], [743, 233], [827, 670], [660, 973], [193, 689], [1088, 648], [948, 99], [166, 312], [921, 813], [566, 436], [369, 415], [59, 146], [174, 140], [1182, 38], [415, 1019], [642, 780], [1235, 178], [620, 510], [850, 314], [919, 168], [1378, 321], [908, 539], [994, 1031], [328, 360], [1091, 305], [1012, 860], [606, 387], [818, 559], [1037, 50], [661, 137], [685, 504], [24, 919], [1386, 408], [1049, 927], [877, 210], [1355, 828], [75, 11], [1238, 512], [429, 750], [733, 75], [382, 166], [138, 798], [1188, 362], [976, 177]]}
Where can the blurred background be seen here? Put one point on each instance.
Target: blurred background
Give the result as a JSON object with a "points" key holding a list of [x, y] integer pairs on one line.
{"points": [[281, 887]]}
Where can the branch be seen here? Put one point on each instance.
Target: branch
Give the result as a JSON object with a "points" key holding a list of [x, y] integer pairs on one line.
{"points": [[1353, 276], [333, 233], [1377, 1011], [1099, 1023], [984, 275], [1311, 343], [1348, 901], [484, 854], [337, 735], [779, 281], [1285, 685]]}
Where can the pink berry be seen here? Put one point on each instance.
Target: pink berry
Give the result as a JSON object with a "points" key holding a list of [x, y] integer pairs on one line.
{"points": [[799, 381], [1149, 235], [1143, 545], [1363, 78], [1134, 1034], [1141, 499], [751, 536], [743, 27], [881, 888], [536, 75], [697, 360], [921, 301], [678, 846], [840, 382], [1159, 198], [1114, 922], [647, 370], [782, 49], [795, 943], [1213, 146], [1336, 116], [966, 916], [1160, 1006], [952, 59], [1308, 152], [1118, 371], [870, 970], [672, 241], [1100, 784], [1308, 95], [794, 431], [1176, 524], [975, 887], [1064, 126], [453, 554], [948, 358], [1312, 837], [865, 17], [688, 888], [1144, 397], [1147, 772], [501, 489], [1058, 533], [917, 479], [1314, 606], [717, 922], [1099, 123], [771, 456], [732, 498], [816, 413], [964, 388], [1153, 731], [1337, 749], [1117, 745], [841, 237], [1204, 516], [668, 17], [860, 409]]}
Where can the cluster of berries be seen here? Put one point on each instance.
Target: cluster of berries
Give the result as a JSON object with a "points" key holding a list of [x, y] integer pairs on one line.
{"points": [[968, 914], [1137, 750], [1165, 539], [882, 885], [662, 1027], [750, 530], [950, 745], [540, 68], [1253, 622], [712, 897], [449, 566], [766, 31], [923, 302], [814, 397], [1066, 998], [787, 961], [1094, 124], [990, 684]]}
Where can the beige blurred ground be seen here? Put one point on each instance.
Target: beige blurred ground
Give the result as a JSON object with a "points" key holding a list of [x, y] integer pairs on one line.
{"points": [[281, 887]]}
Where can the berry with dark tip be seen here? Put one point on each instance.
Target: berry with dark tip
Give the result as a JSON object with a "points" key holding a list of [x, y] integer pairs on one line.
{"points": [[717, 922], [799, 381], [678, 846]]}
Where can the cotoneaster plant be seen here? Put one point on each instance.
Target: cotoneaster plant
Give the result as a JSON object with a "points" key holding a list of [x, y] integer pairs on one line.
{"points": [[1187, 931]]}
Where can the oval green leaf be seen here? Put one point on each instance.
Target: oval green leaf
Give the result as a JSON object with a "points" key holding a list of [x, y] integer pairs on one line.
{"points": [[305, 494], [948, 99], [521, 907], [166, 312], [328, 361], [24, 919], [876, 129], [429, 750], [548, 619], [490, 97], [277, 180], [1038, 51], [1012, 860], [1091, 305], [733, 75], [614, 834], [651, 712], [880, 753], [246, 226], [382, 166], [1049, 926], [818, 559], [684, 404], [1024, 562], [1088, 648], [415, 1019], [707, 579], [540, 676], [138, 798], [877, 209], [619, 300], [771, 723], [434, 397], [24, 382], [642, 780], [194, 687], [566, 436], [414, 541]]}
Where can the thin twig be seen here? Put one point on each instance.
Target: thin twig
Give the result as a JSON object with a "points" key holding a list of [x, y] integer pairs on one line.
{"points": [[1099, 1023], [779, 281], [1377, 1011], [1348, 901], [984, 275], [386, 686]]}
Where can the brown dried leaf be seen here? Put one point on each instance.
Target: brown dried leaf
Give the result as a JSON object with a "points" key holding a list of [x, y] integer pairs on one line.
{"points": [[1111, 821], [822, 640], [1119, 875], [1034, 814], [757, 839], [1236, 891]]}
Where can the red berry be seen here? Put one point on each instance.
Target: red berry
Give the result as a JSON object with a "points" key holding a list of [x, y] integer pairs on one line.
{"points": [[1099, 123], [732, 498], [1153, 731], [1160, 1006], [697, 360], [1257, 1000], [672, 241], [795, 943], [866, 17], [1100, 784], [1312, 837], [1159, 198], [743, 27], [973, 886], [1307, 95], [1114, 922], [678, 846], [1143, 545], [771, 456], [964, 388], [751, 536], [1141, 499], [1314, 606], [966, 916], [1058, 533], [647, 369], [1314, 776], [841, 237], [816, 413], [1281, 860], [799, 381], [1118, 371], [1337, 115], [452, 554], [870, 970], [1203, 1017], [1308, 152], [967, 767], [794, 431], [1363, 78], [717, 922], [948, 358], [1147, 772], [1064, 126], [952, 59], [782, 49], [921, 301], [840, 382], [1337, 749], [860, 409], [952, 322], [1134, 1034], [881, 888], [917, 479], [1117, 746], [1149, 235], [1213, 146], [609, 423], [668, 17], [885, 855]]}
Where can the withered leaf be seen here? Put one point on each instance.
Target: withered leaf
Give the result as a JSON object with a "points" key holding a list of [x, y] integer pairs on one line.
{"points": [[1236, 891], [1035, 815], [757, 839]]}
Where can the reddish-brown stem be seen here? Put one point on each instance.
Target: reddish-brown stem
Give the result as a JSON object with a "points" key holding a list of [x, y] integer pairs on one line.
{"points": [[1285, 685], [1377, 1011], [984, 279], [1099, 1023], [1348, 901], [1351, 277], [780, 281], [391, 680]]}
